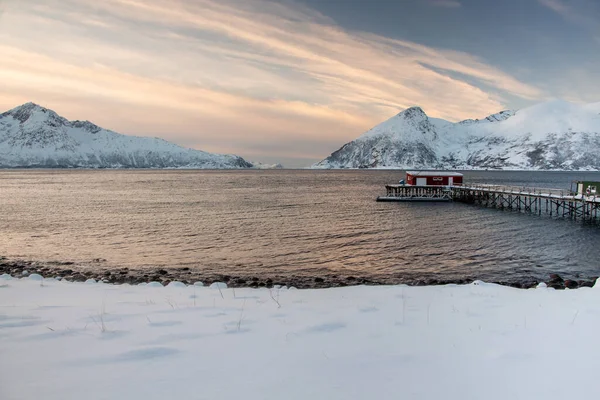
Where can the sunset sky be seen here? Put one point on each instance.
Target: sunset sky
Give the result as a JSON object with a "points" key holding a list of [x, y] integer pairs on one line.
{"points": [[291, 81]]}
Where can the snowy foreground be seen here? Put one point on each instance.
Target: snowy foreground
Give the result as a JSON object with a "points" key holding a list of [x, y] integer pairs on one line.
{"points": [[62, 340]]}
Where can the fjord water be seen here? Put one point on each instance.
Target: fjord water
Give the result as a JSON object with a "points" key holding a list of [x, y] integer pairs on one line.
{"points": [[285, 222]]}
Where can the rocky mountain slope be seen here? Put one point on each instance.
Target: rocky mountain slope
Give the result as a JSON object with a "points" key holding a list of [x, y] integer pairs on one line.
{"points": [[33, 136], [554, 135]]}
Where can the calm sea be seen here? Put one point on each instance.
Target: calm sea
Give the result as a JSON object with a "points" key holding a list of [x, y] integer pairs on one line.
{"points": [[295, 222]]}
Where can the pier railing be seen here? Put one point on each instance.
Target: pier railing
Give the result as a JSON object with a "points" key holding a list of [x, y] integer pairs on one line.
{"points": [[518, 189], [530, 191], [551, 201]]}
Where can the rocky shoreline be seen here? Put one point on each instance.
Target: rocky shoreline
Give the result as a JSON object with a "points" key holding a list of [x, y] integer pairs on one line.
{"points": [[70, 271]]}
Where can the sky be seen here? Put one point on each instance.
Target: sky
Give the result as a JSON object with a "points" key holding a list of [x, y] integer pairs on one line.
{"points": [[291, 81]]}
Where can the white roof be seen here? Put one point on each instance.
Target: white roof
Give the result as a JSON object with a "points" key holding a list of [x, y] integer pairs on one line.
{"points": [[433, 173]]}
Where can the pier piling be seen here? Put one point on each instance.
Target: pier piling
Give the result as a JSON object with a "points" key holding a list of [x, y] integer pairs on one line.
{"points": [[553, 202]]}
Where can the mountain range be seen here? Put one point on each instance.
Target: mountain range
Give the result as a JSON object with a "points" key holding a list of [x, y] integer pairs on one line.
{"points": [[554, 135], [32, 136]]}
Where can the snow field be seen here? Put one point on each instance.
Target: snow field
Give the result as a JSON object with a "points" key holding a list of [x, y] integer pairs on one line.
{"points": [[61, 340]]}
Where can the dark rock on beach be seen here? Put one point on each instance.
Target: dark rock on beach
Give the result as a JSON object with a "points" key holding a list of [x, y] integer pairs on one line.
{"points": [[556, 278], [556, 282], [569, 284], [587, 283], [121, 275]]}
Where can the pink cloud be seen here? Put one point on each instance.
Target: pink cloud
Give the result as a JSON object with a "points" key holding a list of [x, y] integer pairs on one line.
{"points": [[223, 69]]}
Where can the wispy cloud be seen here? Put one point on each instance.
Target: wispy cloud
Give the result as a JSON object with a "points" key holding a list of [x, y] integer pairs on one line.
{"points": [[215, 73], [585, 13], [556, 5], [445, 3]]}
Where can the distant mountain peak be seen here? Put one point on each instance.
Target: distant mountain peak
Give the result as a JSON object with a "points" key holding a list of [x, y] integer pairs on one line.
{"points": [[35, 136], [501, 116], [24, 112], [554, 135], [498, 117], [413, 113], [28, 107], [259, 165]]}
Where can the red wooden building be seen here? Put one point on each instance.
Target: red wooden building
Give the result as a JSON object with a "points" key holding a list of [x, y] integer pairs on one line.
{"points": [[433, 178]]}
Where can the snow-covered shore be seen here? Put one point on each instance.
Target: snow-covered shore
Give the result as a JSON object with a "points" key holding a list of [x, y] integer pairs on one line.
{"points": [[61, 340]]}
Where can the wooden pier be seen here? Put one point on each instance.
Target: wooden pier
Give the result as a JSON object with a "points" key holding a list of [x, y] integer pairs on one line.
{"points": [[417, 193], [553, 202]]}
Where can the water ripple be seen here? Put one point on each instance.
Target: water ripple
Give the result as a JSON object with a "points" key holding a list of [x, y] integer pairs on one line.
{"points": [[252, 222]]}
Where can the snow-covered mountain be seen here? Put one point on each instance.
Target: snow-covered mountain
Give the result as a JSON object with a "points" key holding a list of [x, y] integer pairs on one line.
{"points": [[259, 165], [33, 136], [555, 135]]}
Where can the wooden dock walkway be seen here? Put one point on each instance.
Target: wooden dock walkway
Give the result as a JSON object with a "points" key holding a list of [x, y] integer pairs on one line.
{"points": [[553, 202], [417, 193]]}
